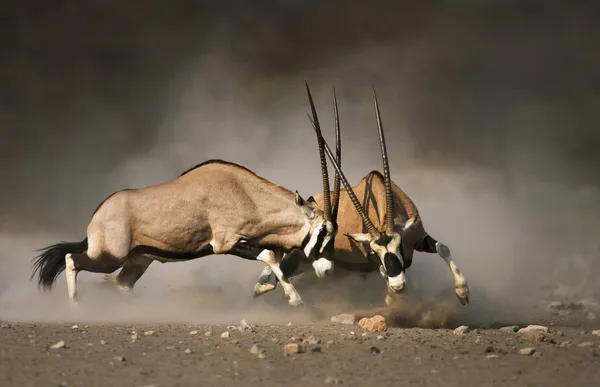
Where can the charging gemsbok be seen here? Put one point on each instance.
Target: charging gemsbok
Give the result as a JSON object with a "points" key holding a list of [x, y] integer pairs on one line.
{"points": [[394, 229], [217, 207]]}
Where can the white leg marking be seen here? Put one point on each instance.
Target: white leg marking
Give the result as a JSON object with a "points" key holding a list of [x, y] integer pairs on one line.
{"points": [[323, 267], [397, 283], [460, 283], [71, 278], [268, 257]]}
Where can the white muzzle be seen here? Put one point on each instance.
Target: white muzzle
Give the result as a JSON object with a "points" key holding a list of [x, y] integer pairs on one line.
{"points": [[323, 267]]}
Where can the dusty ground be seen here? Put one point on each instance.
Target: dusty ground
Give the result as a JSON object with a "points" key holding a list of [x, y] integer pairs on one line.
{"points": [[105, 355]]}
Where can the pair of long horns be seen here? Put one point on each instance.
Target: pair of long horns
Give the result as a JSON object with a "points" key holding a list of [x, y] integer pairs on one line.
{"points": [[389, 201], [329, 209]]}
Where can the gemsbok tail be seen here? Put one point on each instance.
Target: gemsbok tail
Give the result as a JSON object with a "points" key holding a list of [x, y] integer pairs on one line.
{"points": [[51, 262]]}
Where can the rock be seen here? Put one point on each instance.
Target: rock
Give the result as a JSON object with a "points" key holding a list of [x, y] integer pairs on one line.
{"points": [[565, 344], [510, 329], [102, 342], [380, 337], [256, 350], [461, 330], [373, 324], [134, 337], [596, 332], [312, 340], [60, 344], [534, 328], [527, 351], [329, 342], [244, 326], [193, 333], [374, 350], [225, 335], [365, 334], [292, 348], [75, 326], [208, 333], [289, 324], [586, 344], [4, 325], [120, 358], [344, 319], [591, 316], [232, 328], [332, 380], [187, 351], [492, 356], [148, 333]]}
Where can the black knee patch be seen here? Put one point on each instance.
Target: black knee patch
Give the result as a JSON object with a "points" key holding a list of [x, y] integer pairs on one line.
{"points": [[289, 265], [429, 244]]}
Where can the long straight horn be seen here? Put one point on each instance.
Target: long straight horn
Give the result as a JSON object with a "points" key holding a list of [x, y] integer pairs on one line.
{"points": [[338, 157], [359, 208], [326, 194], [389, 200]]}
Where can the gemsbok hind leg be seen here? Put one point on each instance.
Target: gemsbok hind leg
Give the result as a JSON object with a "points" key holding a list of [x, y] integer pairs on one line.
{"points": [[430, 245], [82, 262]]}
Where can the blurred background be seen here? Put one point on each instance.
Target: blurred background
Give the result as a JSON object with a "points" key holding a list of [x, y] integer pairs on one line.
{"points": [[490, 109]]}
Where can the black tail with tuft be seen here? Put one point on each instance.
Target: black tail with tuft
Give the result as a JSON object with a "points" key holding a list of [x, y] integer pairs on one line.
{"points": [[51, 262]]}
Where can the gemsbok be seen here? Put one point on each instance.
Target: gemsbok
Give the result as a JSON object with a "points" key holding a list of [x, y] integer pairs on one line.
{"points": [[216, 207], [381, 234]]}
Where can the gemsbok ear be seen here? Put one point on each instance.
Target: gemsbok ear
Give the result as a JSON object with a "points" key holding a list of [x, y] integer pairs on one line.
{"points": [[359, 237], [308, 212], [311, 200]]}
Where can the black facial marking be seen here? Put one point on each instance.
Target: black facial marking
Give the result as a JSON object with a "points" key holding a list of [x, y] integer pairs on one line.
{"points": [[392, 263], [311, 199], [290, 263]]}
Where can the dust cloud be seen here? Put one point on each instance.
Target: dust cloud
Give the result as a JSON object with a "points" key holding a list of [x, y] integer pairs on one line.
{"points": [[490, 117]]}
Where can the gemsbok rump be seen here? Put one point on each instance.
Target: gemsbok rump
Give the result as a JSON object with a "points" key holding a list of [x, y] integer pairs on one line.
{"points": [[381, 234], [217, 207]]}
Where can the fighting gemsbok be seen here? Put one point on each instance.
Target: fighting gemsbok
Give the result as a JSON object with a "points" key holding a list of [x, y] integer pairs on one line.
{"points": [[381, 234], [217, 207]]}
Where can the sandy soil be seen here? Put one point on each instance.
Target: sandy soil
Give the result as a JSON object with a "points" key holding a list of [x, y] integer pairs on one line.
{"points": [[105, 355]]}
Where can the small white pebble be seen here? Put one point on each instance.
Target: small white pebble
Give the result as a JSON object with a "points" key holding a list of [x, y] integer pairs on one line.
{"points": [[193, 333], [209, 333], [102, 342], [187, 351], [225, 335], [75, 326], [148, 333], [380, 337]]}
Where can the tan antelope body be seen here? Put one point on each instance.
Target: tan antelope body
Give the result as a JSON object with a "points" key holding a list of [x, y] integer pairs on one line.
{"points": [[379, 232], [217, 207]]}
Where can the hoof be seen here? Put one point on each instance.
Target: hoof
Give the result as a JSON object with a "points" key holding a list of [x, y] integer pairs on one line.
{"points": [[260, 289], [296, 303]]}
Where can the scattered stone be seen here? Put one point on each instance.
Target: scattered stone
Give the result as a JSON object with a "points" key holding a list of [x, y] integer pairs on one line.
{"points": [[232, 327], [244, 326], [225, 335], [289, 324], [148, 333], [120, 358], [330, 342], [380, 337], [374, 350], [534, 328], [311, 340], [208, 333], [257, 350], [134, 337], [373, 324], [4, 325], [292, 348], [365, 334], [591, 316], [193, 333], [187, 351], [461, 330], [492, 356], [510, 329], [102, 342], [332, 380], [344, 319], [586, 344], [275, 340], [75, 326], [565, 344], [527, 351], [596, 332], [60, 344]]}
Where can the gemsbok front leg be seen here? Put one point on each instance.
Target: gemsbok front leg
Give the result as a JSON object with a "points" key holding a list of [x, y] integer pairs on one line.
{"points": [[272, 259], [430, 245]]}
